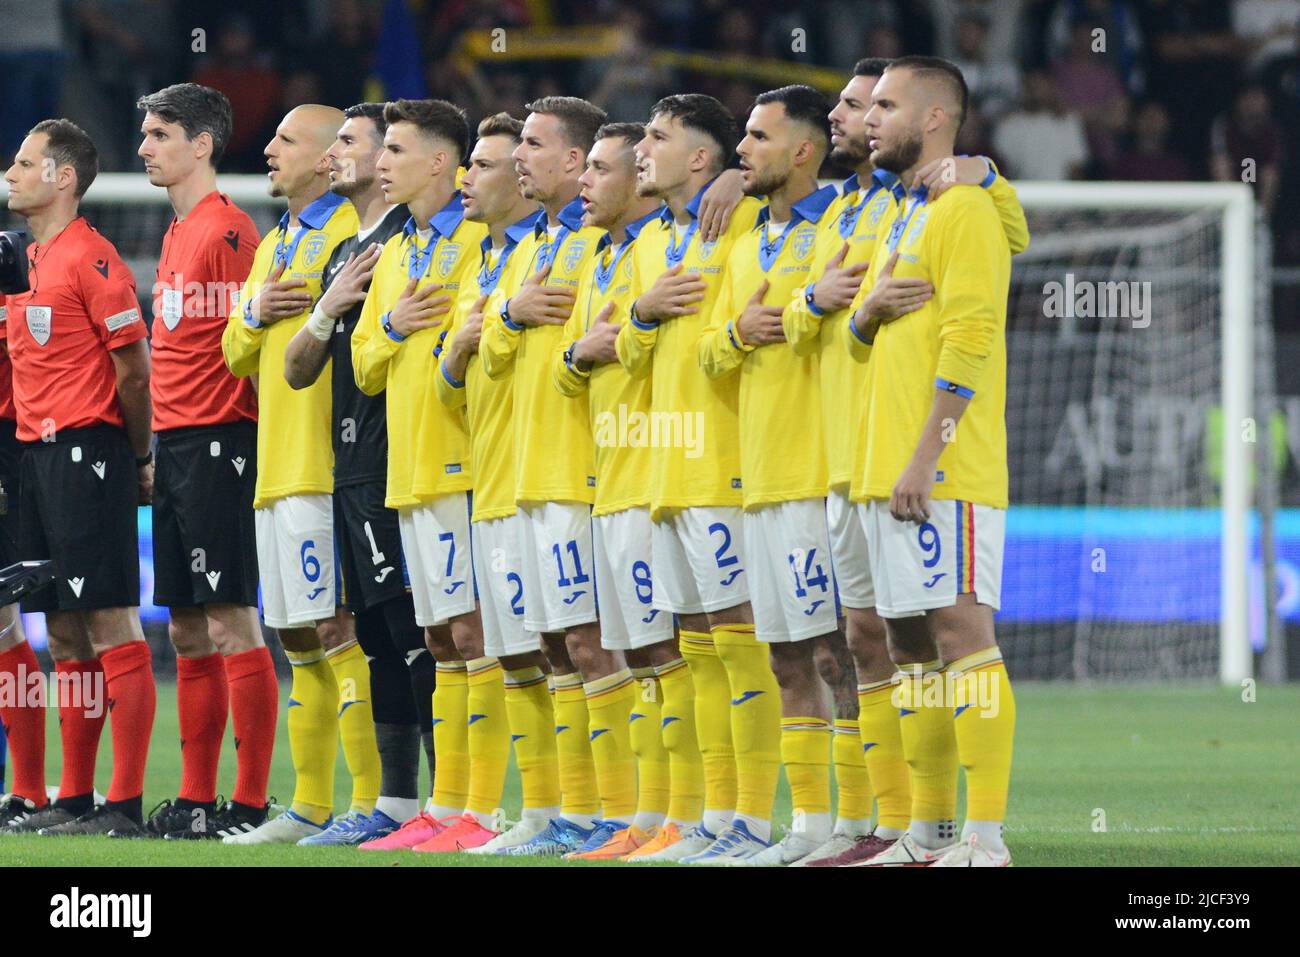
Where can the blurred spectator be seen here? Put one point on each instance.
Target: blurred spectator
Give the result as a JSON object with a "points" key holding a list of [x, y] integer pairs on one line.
{"points": [[451, 18], [627, 85], [1246, 145], [1149, 157], [458, 79], [994, 84], [1119, 43], [884, 41], [1270, 29], [1003, 19], [129, 49], [343, 52], [976, 136], [242, 72], [1088, 84], [846, 22], [31, 62], [1042, 140], [1192, 50]]}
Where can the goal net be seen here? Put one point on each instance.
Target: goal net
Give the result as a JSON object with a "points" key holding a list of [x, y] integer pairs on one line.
{"points": [[1130, 331]]}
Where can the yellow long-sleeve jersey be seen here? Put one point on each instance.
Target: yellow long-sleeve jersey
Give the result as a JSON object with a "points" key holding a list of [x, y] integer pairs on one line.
{"points": [[488, 403], [428, 443], [618, 401], [956, 342], [782, 455], [554, 459], [295, 455], [855, 219], [707, 471]]}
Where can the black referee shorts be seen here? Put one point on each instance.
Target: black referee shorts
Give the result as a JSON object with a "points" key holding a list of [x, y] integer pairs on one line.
{"points": [[204, 543], [11, 450], [369, 547], [78, 507]]}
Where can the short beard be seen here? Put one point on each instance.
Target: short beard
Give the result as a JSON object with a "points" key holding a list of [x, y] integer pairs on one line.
{"points": [[903, 157], [851, 155], [766, 186], [349, 188]]}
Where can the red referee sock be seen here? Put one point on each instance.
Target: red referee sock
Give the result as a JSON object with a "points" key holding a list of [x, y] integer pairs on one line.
{"points": [[83, 707], [254, 710], [132, 699], [24, 721], [202, 704]]}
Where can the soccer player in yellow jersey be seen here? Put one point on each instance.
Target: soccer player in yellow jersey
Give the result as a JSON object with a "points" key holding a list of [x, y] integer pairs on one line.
{"points": [[292, 501], [782, 461], [395, 349], [730, 706], [866, 719], [586, 365], [555, 472], [490, 194], [934, 481]]}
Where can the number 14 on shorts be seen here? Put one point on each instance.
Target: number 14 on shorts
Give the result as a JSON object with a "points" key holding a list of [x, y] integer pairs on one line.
{"points": [[808, 574]]}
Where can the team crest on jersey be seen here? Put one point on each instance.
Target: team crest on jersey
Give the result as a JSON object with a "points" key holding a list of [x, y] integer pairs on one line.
{"points": [[803, 243], [627, 270], [312, 249], [706, 249], [877, 209], [914, 230], [573, 254], [448, 253], [39, 322]]}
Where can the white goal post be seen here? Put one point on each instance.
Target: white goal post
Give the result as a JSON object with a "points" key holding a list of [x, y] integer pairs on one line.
{"points": [[1233, 205]]}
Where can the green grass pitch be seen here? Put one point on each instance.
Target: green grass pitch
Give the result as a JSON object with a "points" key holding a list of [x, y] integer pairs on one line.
{"points": [[1179, 774]]}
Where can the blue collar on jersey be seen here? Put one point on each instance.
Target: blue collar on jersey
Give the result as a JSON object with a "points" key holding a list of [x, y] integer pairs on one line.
{"points": [[570, 218], [444, 222], [633, 230], [514, 232], [316, 213], [810, 208], [693, 207]]}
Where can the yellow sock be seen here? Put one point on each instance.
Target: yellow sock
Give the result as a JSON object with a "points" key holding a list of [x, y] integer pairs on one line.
{"points": [[985, 726], [489, 738], [712, 728], [882, 747], [755, 723], [357, 724], [925, 724], [451, 739], [579, 795], [677, 729], [653, 774], [532, 732], [806, 755], [313, 734], [609, 705], [852, 783]]}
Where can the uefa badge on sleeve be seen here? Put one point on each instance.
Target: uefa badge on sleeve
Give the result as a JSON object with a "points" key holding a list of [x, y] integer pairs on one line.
{"points": [[39, 321]]}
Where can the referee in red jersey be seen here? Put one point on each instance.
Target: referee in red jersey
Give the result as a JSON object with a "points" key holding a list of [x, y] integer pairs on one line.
{"points": [[24, 720], [205, 551], [81, 389]]}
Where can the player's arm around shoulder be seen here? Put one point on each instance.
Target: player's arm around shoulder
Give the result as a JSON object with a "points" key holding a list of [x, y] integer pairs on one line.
{"points": [[241, 340], [721, 349], [971, 268], [1010, 212]]}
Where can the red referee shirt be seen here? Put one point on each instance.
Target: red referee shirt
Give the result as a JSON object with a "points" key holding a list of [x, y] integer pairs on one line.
{"points": [[81, 305], [7, 411], [205, 259]]}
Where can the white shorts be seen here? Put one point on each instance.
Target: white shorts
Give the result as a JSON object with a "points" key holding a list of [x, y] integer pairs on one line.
{"points": [[501, 588], [849, 553], [295, 560], [435, 541], [699, 560], [792, 589], [919, 567], [628, 619], [558, 566]]}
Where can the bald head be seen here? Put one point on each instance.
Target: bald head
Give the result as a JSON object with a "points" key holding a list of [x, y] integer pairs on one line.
{"points": [[296, 154]]}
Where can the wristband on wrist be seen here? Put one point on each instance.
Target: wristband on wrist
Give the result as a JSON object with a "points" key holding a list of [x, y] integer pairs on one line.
{"points": [[248, 315], [320, 325], [389, 330], [860, 336], [505, 318], [146, 460], [643, 324], [810, 298]]}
